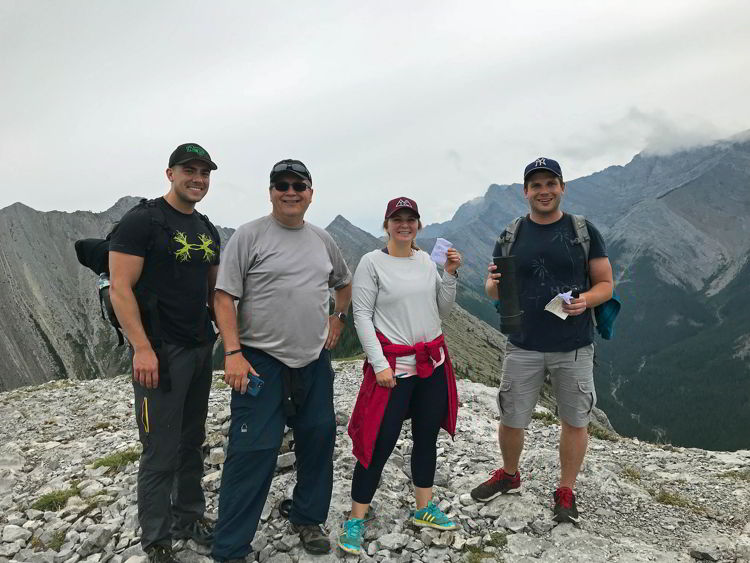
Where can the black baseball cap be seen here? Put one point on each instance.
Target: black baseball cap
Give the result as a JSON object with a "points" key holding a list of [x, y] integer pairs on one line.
{"points": [[291, 165], [543, 163], [190, 151]]}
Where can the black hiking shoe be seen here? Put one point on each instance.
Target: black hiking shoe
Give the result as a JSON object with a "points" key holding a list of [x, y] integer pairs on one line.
{"points": [[285, 507], [565, 506], [314, 539], [200, 531], [160, 554], [500, 483]]}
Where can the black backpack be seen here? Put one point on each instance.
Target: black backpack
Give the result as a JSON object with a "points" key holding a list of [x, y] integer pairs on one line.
{"points": [[93, 253]]}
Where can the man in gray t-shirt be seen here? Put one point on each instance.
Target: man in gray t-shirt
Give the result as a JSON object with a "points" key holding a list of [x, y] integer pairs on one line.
{"points": [[280, 270]]}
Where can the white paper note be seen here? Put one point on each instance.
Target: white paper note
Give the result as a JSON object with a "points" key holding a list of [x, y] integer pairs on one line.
{"points": [[439, 251], [555, 305]]}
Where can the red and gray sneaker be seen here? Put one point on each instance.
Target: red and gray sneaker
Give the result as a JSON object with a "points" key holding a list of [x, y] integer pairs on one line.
{"points": [[565, 506], [500, 483]]}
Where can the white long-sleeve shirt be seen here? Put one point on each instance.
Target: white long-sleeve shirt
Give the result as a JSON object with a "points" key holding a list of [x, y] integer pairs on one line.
{"points": [[403, 298]]}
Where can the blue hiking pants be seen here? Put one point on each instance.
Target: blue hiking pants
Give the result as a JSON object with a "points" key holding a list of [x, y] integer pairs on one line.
{"points": [[255, 435]]}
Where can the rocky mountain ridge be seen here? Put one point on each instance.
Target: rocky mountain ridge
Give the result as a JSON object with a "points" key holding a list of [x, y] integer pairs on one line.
{"points": [[52, 325], [68, 468]]}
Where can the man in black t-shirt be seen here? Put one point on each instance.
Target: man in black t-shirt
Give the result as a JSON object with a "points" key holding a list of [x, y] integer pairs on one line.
{"points": [[163, 260], [549, 261]]}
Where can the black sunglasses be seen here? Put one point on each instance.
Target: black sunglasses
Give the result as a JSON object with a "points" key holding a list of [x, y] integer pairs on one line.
{"points": [[282, 166], [284, 186]]}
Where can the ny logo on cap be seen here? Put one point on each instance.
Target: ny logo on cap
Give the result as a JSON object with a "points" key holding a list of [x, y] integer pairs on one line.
{"points": [[540, 162], [403, 203]]}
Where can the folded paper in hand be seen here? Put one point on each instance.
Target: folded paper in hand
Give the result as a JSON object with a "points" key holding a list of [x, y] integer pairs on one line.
{"points": [[439, 251], [555, 305]]}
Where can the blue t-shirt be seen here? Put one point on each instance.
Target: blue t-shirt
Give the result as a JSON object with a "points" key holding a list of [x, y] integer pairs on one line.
{"points": [[548, 262]]}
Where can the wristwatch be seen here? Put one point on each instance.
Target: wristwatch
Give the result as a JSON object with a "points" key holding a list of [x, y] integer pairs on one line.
{"points": [[340, 315]]}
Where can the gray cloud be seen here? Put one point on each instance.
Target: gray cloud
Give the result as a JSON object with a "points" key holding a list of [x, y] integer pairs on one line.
{"points": [[431, 100]]}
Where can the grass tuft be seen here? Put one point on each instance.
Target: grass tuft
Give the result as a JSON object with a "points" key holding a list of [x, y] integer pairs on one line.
{"points": [[546, 418], [597, 431], [219, 383], [673, 499], [498, 539], [58, 539], [631, 474], [118, 459], [54, 500], [476, 555], [737, 474]]}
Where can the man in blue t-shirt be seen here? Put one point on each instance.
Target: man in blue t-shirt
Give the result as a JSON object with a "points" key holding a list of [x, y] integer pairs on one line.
{"points": [[549, 261]]}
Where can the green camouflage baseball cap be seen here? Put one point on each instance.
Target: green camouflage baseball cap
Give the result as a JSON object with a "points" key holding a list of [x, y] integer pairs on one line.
{"points": [[190, 151]]}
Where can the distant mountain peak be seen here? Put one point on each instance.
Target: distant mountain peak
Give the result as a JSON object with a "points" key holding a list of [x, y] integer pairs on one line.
{"points": [[125, 203]]}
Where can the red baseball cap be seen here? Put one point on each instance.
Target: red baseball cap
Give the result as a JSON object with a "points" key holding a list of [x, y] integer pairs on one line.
{"points": [[398, 203]]}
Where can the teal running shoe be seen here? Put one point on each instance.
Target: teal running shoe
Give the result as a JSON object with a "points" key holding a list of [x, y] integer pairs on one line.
{"points": [[353, 531], [432, 517]]}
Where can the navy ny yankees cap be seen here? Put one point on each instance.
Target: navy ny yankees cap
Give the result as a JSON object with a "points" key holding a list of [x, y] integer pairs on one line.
{"points": [[543, 163]]}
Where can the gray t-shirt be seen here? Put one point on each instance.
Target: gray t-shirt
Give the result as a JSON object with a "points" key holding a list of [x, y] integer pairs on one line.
{"points": [[402, 298], [281, 276]]}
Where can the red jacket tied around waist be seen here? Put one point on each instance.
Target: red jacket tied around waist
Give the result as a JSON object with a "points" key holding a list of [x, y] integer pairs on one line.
{"points": [[372, 399]]}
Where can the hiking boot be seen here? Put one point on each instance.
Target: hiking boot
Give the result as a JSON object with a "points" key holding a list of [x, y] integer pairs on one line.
{"points": [[200, 531], [285, 507], [432, 517], [565, 506], [500, 483], [314, 539], [352, 533], [160, 554]]}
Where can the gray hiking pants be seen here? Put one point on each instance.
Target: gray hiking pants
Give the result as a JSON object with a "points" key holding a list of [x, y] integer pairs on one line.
{"points": [[172, 427]]}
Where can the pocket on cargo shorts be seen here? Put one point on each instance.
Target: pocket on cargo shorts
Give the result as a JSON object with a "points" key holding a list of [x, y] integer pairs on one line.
{"points": [[504, 398], [588, 390]]}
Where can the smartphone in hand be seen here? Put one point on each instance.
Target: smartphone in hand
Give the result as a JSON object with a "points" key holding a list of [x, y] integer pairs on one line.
{"points": [[255, 384]]}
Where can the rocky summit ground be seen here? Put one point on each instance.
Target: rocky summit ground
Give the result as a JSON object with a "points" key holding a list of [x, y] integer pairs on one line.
{"points": [[68, 464]]}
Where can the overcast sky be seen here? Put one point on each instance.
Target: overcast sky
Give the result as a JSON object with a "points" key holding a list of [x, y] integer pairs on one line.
{"points": [[432, 100]]}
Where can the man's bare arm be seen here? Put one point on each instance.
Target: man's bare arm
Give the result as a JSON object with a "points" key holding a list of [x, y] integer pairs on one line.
{"points": [[600, 273], [236, 367], [124, 272]]}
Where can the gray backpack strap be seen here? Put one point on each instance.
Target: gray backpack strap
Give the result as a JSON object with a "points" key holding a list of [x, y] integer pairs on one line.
{"points": [[584, 239], [508, 237], [582, 236]]}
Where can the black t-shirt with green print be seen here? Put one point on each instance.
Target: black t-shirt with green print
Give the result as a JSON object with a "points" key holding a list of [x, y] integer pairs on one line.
{"points": [[178, 249]]}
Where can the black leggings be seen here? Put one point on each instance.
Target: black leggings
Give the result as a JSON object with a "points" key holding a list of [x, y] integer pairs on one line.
{"points": [[427, 400]]}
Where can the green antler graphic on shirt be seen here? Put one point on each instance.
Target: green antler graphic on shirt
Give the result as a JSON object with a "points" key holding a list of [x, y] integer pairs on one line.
{"points": [[205, 246], [183, 253]]}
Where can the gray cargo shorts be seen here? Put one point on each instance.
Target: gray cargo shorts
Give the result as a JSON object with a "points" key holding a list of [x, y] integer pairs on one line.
{"points": [[572, 375]]}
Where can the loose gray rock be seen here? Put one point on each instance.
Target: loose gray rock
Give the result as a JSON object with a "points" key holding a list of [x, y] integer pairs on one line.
{"points": [[622, 519]]}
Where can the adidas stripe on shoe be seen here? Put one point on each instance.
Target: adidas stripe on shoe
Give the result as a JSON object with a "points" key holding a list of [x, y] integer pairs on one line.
{"points": [[432, 517]]}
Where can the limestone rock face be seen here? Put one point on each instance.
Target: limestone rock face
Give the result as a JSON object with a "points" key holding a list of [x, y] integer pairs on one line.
{"points": [[639, 502], [52, 326]]}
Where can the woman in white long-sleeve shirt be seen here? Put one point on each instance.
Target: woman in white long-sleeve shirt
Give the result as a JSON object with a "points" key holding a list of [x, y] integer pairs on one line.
{"points": [[398, 300]]}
